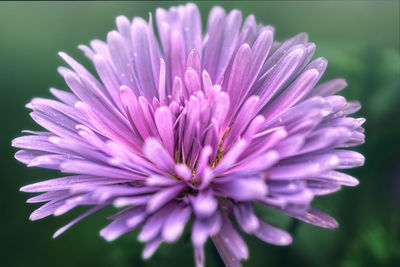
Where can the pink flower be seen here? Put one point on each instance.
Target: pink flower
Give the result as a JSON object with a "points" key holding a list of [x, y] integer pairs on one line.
{"points": [[192, 130]]}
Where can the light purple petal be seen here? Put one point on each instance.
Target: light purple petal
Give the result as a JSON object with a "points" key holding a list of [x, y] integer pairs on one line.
{"points": [[202, 228], [91, 168], [231, 156], [244, 189], [165, 125], [69, 181], [296, 91], [285, 70], [157, 153], [259, 163], [349, 159], [66, 97], [163, 197], [153, 225], [142, 57], [230, 241], [151, 247], [245, 216], [157, 180], [337, 177], [273, 235], [308, 167], [199, 256], [175, 223], [204, 204], [77, 219], [310, 215], [329, 88]]}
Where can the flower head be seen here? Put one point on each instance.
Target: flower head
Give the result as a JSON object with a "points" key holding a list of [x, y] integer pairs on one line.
{"points": [[194, 129]]}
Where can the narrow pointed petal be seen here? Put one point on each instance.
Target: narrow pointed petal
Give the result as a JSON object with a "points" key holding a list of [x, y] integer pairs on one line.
{"points": [[311, 215], [77, 219]]}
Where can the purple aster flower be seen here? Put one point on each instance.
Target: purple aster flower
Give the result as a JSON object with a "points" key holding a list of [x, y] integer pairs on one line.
{"points": [[194, 129]]}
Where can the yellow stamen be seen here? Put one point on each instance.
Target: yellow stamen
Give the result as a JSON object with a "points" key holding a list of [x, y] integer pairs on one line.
{"points": [[220, 152]]}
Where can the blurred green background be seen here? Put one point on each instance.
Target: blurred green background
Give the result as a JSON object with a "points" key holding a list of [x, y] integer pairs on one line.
{"points": [[359, 38]]}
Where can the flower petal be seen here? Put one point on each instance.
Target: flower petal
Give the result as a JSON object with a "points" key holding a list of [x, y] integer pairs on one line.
{"points": [[273, 235]]}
